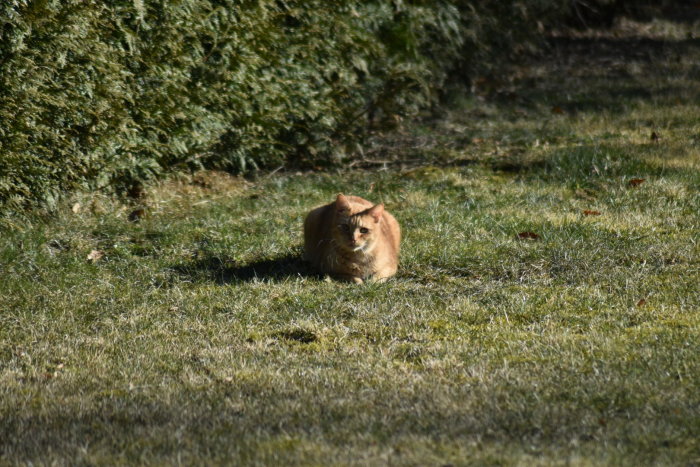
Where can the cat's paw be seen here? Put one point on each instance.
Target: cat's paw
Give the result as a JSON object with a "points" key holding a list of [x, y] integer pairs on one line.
{"points": [[357, 280]]}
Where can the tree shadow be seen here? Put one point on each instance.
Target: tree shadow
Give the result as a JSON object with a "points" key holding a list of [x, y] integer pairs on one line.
{"points": [[592, 74], [224, 270]]}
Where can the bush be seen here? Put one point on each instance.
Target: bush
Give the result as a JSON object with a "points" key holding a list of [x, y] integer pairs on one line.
{"points": [[109, 94]]}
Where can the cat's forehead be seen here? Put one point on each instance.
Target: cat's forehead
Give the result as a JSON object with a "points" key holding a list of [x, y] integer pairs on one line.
{"points": [[360, 221]]}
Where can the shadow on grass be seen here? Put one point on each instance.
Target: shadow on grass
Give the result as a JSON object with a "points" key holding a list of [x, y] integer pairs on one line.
{"points": [[575, 76], [609, 74], [225, 270]]}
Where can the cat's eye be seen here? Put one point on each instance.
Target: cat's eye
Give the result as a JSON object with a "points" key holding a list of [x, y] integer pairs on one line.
{"points": [[364, 230]]}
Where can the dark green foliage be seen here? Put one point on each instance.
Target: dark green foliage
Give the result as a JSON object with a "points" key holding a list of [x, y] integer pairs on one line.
{"points": [[110, 94]]}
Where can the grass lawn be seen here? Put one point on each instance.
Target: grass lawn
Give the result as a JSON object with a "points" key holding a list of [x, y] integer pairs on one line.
{"points": [[194, 334]]}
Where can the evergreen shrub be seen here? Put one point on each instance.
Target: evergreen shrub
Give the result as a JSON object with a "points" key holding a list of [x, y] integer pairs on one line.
{"points": [[109, 94]]}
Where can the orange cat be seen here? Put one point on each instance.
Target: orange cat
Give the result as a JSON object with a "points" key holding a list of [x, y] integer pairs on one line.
{"points": [[353, 240]]}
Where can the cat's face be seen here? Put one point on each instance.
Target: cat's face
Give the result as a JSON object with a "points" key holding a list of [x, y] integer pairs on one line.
{"points": [[356, 233]]}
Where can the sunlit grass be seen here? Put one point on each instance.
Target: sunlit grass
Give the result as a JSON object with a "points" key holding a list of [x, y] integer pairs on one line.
{"points": [[199, 336]]}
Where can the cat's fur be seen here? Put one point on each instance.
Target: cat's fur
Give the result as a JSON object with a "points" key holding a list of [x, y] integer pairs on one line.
{"points": [[352, 239]]}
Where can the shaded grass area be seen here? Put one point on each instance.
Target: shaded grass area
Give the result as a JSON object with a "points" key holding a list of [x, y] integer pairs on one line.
{"points": [[199, 335]]}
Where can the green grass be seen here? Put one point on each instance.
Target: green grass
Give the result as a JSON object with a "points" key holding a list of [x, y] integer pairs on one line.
{"points": [[200, 337]]}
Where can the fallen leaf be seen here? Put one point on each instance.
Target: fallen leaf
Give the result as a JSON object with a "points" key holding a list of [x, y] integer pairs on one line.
{"points": [[642, 302], [635, 182], [588, 212], [95, 256], [654, 136], [528, 235], [137, 214], [477, 140], [76, 208], [557, 110]]}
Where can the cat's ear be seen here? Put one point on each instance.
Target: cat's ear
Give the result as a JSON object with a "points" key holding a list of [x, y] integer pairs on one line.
{"points": [[376, 212], [342, 205]]}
